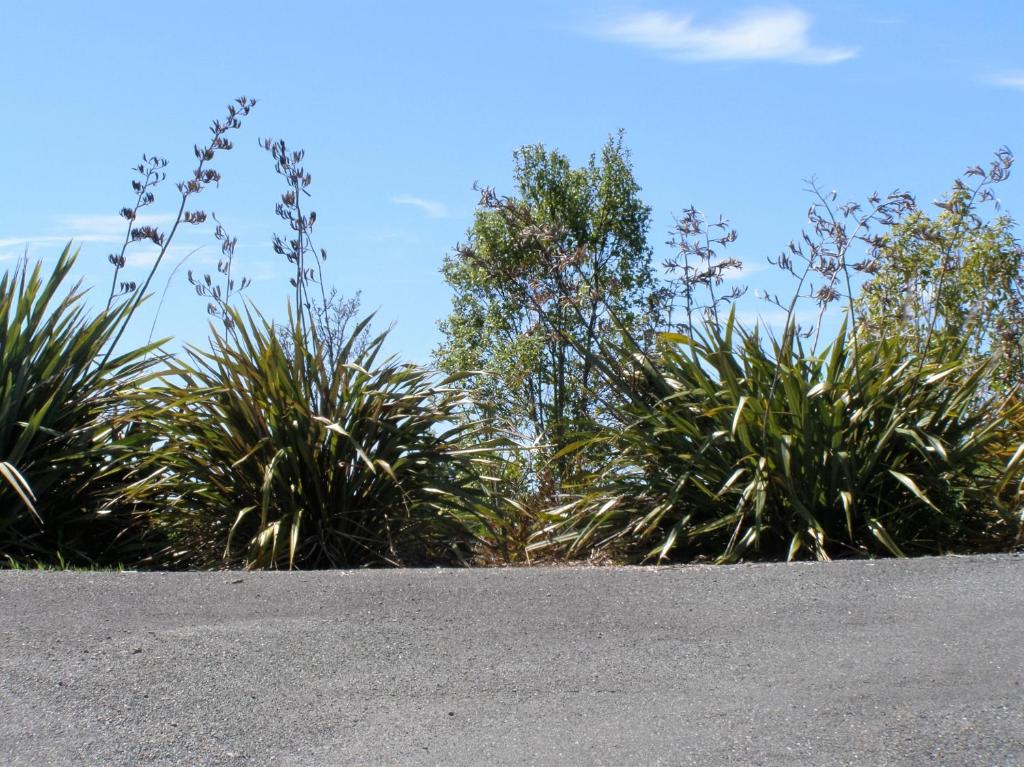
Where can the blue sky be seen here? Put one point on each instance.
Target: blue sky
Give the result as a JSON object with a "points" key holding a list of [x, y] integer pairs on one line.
{"points": [[401, 107]]}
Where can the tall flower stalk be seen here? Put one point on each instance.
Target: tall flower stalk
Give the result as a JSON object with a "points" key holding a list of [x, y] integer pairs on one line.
{"points": [[152, 172]]}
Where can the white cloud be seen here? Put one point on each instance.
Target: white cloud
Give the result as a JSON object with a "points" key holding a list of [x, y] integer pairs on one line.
{"points": [[141, 259], [87, 228], [110, 226], [744, 272], [392, 235], [429, 207], [144, 255], [1009, 79], [260, 271], [771, 318], [43, 239], [756, 35]]}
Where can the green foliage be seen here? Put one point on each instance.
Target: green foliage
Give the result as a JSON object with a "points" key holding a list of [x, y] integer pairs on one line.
{"points": [[276, 459], [536, 283], [67, 430], [951, 276], [742, 449], [299, 445]]}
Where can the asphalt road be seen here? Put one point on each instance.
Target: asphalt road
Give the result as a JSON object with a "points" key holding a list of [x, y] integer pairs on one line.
{"points": [[848, 663]]}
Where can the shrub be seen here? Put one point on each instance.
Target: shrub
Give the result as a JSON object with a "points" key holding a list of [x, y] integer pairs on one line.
{"points": [[748, 449], [282, 459], [67, 430], [958, 274]]}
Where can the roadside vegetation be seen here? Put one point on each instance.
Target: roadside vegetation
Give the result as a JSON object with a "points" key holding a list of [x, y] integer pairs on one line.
{"points": [[586, 402]]}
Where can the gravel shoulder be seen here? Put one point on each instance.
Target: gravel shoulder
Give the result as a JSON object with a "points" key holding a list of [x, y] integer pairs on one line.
{"points": [[846, 663]]}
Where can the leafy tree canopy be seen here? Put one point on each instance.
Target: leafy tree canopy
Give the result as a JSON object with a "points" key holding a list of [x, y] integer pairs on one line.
{"points": [[536, 285], [955, 276]]}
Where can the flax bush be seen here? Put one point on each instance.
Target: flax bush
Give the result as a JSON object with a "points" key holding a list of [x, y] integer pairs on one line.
{"points": [[746, 447], [283, 459], [68, 430]]}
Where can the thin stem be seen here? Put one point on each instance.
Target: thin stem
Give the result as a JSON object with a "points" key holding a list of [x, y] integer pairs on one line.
{"points": [[789, 322], [300, 272], [163, 296], [141, 292], [957, 234], [152, 177]]}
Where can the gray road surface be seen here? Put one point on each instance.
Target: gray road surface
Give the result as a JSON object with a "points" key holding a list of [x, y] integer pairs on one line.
{"points": [[849, 663]]}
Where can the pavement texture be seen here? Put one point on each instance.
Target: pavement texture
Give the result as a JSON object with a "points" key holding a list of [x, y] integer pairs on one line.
{"points": [[846, 663]]}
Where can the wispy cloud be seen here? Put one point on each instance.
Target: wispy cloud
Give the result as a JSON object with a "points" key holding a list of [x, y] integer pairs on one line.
{"points": [[86, 228], [770, 318], [744, 272], [429, 207], [42, 239], [112, 226], [392, 235], [757, 35], [1009, 79], [145, 258], [261, 271]]}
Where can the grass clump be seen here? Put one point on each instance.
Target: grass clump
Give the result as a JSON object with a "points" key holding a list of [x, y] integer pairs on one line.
{"points": [[68, 426], [277, 457], [747, 447]]}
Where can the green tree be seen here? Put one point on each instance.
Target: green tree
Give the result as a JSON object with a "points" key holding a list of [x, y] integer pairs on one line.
{"points": [[952, 276], [536, 286]]}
